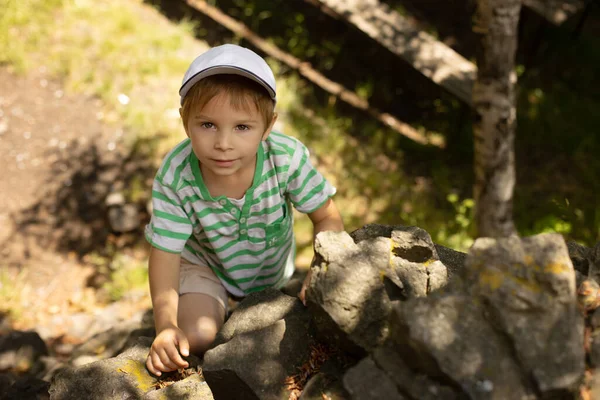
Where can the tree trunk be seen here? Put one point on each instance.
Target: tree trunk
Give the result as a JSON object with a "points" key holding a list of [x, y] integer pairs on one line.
{"points": [[495, 122]]}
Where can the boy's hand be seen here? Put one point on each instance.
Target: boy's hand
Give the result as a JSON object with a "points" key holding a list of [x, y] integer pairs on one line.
{"points": [[164, 356], [305, 284]]}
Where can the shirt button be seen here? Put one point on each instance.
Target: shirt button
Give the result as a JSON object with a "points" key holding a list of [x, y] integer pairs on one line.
{"points": [[242, 220], [233, 211], [222, 202], [243, 231]]}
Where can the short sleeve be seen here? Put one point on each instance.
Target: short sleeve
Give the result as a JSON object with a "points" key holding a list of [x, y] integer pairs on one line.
{"points": [[307, 188], [169, 227]]}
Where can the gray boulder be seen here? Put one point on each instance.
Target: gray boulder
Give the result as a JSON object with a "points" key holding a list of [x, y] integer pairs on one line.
{"points": [[446, 336], [267, 339], [122, 377], [351, 290], [452, 259], [386, 369], [528, 286], [21, 352], [366, 381], [416, 262], [190, 388]]}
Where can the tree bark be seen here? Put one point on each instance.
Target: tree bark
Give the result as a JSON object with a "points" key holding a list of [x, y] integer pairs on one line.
{"points": [[495, 121]]}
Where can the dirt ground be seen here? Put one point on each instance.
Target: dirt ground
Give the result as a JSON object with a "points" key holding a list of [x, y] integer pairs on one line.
{"points": [[46, 138]]}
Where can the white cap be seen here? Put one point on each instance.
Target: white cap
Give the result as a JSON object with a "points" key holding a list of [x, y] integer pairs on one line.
{"points": [[229, 59]]}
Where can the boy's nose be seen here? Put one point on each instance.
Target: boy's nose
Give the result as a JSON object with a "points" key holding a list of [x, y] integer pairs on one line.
{"points": [[223, 141]]}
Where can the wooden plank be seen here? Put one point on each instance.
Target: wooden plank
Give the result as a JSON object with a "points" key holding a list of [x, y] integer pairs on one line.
{"points": [[427, 55], [306, 70], [555, 11]]}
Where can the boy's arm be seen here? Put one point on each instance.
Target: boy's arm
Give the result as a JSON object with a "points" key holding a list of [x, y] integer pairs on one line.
{"points": [[164, 287], [325, 218], [164, 290]]}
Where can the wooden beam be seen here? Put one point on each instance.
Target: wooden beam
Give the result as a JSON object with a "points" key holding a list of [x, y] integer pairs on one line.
{"points": [[555, 11], [426, 54], [308, 72]]}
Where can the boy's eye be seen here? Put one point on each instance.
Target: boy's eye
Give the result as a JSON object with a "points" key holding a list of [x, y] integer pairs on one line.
{"points": [[207, 125], [243, 127]]}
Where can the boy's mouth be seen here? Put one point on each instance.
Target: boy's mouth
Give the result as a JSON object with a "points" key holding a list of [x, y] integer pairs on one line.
{"points": [[223, 163]]}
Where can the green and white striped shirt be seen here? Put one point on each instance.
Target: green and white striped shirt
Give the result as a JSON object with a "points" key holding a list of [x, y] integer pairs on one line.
{"points": [[246, 242]]}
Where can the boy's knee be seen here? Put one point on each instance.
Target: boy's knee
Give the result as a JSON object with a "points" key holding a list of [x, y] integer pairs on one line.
{"points": [[202, 338]]}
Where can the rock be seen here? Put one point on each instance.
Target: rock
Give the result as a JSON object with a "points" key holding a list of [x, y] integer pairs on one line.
{"points": [[267, 339], [191, 388], [528, 286], [115, 199], [105, 344], [258, 311], [122, 377], [327, 383], [124, 218], [6, 382], [416, 385], [579, 257], [391, 367], [26, 388], [351, 289], [452, 259], [594, 262], [365, 381], [323, 385], [447, 336], [20, 352], [416, 262]]}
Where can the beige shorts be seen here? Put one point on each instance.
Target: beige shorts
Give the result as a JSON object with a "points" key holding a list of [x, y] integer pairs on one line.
{"points": [[195, 278]]}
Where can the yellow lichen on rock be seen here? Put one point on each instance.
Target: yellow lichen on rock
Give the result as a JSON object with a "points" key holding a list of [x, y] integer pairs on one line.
{"points": [[491, 278], [556, 268], [137, 370]]}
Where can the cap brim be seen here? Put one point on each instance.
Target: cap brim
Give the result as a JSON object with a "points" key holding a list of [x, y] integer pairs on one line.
{"points": [[222, 70]]}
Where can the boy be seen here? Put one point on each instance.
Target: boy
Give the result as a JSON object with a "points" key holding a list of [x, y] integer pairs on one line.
{"points": [[222, 221]]}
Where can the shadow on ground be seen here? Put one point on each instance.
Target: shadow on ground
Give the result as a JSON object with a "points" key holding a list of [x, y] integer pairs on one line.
{"points": [[71, 213]]}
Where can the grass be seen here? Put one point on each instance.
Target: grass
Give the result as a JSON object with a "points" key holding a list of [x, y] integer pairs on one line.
{"points": [[131, 60], [127, 274], [15, 293]]}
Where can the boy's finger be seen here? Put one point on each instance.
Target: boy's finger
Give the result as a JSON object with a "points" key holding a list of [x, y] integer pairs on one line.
{"points": [[154, 364], [166, 361], [184, 345], [149, 365], [302, 295], [176, 358]]}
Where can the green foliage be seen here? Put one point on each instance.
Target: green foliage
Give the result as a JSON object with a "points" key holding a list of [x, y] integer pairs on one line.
{"points": [[126, 274], [557, 141], [14, 292]]}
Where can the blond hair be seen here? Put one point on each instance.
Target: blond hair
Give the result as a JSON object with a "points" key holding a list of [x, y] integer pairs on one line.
{"points": [[244, 94]]}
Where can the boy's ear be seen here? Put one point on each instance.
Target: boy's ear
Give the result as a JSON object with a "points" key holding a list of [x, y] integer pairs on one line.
{"points": [[270, 127], [184, 122]]}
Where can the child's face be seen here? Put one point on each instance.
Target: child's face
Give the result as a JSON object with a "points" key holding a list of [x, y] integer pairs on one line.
{"points": [[225, 139]]}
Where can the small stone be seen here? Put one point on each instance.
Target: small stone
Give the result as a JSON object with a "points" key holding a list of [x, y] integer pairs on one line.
{"points": [[124, 218], [115, 199]]}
